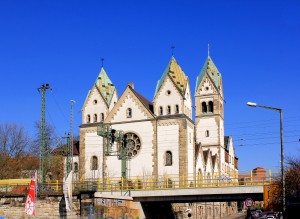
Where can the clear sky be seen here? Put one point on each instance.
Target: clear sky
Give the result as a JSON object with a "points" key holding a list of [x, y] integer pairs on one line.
{"points": [[254, 43]]}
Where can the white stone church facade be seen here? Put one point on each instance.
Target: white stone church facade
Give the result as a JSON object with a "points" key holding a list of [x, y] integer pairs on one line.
{"points": [[164, 137]]}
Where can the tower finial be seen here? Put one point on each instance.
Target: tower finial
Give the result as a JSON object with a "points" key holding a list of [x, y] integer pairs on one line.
{"points": [[208, 50], [172, 47], [102, 61]]}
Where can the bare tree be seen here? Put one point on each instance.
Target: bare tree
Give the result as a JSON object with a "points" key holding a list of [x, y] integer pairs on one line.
{"points": [[292, 187], [14, 143], [52, 140]]}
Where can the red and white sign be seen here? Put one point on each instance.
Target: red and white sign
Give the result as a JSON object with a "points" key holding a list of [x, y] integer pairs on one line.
{"points": [[249, 202], [30, 200]]}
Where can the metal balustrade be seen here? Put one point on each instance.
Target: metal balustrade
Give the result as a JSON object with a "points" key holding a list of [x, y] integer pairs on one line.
{"points": [[112, 184]]}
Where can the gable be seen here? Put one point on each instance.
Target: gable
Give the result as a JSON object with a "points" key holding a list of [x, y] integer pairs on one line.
{"points": [[129, 100], [94, 104], [177, 76], [167, 95], [206, 87]]}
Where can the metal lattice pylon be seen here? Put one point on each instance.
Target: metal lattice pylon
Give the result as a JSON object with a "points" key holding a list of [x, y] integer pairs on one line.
{"points": [[43, 146]]}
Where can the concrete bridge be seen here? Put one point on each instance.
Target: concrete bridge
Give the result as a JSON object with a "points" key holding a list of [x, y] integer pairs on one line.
{"points": [[157, 203]]}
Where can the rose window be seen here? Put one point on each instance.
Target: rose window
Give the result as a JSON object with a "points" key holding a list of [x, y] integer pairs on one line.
{"points": [[133, 145]]}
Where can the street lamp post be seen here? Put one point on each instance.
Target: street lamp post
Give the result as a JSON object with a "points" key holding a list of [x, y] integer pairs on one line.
{"points": [[282, 151]]}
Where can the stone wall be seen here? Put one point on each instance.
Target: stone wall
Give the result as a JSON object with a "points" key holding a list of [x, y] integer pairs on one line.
{"points": [[46, 207]]}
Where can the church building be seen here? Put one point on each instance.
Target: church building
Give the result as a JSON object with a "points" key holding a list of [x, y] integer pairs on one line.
{"points": [[162, 136]]}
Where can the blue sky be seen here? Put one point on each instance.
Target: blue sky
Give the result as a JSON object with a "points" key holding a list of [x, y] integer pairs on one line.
{"points": [[254, 43]]}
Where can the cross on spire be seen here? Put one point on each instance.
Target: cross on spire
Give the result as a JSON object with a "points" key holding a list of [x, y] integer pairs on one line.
{"points": [[208, 49], [102, 61], [172, 48]]}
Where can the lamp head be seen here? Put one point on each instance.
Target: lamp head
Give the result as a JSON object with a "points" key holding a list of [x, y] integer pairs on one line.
{"points": [[252, 104]]}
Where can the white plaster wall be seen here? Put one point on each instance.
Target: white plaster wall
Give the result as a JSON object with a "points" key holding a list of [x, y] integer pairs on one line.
{"points": [[141, 164], [190, 134], [164, 100], [210, 125], [92, 108], [222, 133], [204, 91], [113, 100], [188, 101], [94, 146], [168, 140], [137, 113]]}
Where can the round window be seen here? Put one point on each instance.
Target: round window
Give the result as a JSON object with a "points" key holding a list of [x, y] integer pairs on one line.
{"points": [[133, 145], [95, 102], [168, 92]]}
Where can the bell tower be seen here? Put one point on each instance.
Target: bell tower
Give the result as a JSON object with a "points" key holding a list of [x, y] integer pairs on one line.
{"points": [[209, 116]]}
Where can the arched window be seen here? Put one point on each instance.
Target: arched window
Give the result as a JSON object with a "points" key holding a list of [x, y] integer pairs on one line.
{"points": [[204, 107], [75, 167], [88, 118], [129, 113], [95, 118], [206, 133], [176, 108], [169, 158], [161, 111], [168, 110], [102, 117], [94, 163], [210, 106]]}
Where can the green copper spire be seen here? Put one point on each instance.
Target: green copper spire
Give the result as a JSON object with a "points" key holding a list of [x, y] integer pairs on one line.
{"points": [[105, 86], [210, 68]]}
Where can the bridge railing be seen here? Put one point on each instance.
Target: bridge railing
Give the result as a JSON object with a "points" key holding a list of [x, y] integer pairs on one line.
{"points": [[19, 187]]}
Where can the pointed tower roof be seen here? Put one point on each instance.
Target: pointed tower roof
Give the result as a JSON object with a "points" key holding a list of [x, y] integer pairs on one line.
{"points": [[210, 68], [105, 86], [176, 74]]}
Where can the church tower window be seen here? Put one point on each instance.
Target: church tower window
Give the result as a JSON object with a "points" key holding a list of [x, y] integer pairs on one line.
{"points": [[168, 158], [176, 108], [129, 113], [210, 106], [168, 110], [206, 133], [95, 117], [161, 111], [94, 163], [204, 107], [102, 117], [88, 118]]}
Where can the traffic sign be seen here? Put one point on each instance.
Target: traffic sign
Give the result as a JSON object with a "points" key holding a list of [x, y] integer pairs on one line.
{"points": [[249, 202]]}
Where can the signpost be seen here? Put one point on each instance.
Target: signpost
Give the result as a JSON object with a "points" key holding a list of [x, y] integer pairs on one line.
{"points": [[249, 202]]}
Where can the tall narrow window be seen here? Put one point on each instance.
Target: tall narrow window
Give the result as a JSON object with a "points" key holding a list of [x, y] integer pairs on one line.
{"points": [[168, 109], [75, 167], [206, 133], [204, 107], [129, 113], [161, 111], [102, 117], [94, 163], [168, 158], [211, 106], [95, 117], [88, 118], [176, 108]]}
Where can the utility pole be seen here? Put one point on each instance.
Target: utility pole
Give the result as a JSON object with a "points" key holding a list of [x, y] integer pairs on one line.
{"points": [[43, 148], [71, 131]]}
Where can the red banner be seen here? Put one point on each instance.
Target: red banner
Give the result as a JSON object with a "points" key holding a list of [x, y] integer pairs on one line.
{"points": [[30, 200]]}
